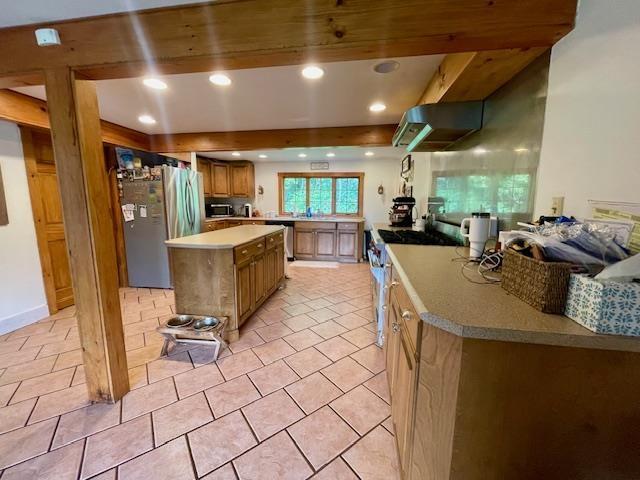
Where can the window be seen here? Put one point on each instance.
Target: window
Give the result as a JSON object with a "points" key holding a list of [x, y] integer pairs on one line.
{"points": [[502, 194], [326, 193]]}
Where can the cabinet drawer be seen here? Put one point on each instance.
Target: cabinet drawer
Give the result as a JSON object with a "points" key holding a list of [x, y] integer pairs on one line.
{"points": [[407, 314], [347, 226], [246, 251], [316, 225], [274, 239], [252, 222]]}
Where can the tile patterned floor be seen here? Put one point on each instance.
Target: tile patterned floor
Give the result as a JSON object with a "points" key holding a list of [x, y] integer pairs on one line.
{"points": [[301, 394]]}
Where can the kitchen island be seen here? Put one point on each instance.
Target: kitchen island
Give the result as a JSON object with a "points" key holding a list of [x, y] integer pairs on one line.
{"points": [[483, 386], [228, 272]]}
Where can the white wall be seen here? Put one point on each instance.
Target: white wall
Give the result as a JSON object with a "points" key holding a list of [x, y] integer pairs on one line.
{"points": [[385, 171], [22, 297], [591, 145]]}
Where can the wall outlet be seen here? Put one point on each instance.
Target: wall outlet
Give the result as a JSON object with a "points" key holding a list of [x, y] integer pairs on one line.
{"points": [[557, 206]]}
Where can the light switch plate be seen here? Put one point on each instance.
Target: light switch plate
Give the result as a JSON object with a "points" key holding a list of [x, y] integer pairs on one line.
{"points": [[557, 205]]}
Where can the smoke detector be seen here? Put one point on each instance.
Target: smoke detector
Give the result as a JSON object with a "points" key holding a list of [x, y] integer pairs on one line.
{"points": [[47, 37]]}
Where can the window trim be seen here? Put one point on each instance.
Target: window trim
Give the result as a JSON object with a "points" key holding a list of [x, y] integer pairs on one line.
{"points": [[334, 176]]}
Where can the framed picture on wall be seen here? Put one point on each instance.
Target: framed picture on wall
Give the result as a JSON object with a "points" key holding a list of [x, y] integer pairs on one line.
{"points": [[4, 214], [406, 167]]}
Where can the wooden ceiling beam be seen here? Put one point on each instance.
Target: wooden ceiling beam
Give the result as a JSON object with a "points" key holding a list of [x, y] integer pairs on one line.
{"points": [[369, 135], [32, 112], [232, 34], [476, 75]]}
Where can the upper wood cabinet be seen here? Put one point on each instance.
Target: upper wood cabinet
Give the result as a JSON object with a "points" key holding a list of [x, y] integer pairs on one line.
{"points": [[204, 167], [220, 180], [224, 180], [242, 179]]}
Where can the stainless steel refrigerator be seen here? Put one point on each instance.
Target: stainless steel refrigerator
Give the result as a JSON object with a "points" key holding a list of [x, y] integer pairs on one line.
{"points": [[161, 209]]}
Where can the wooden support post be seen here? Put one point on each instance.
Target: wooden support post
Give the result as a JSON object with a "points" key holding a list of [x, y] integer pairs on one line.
{"points": [[75, 128]]}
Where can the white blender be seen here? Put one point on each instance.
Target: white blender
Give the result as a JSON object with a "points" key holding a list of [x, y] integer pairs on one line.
{"points": [[476, 229]]}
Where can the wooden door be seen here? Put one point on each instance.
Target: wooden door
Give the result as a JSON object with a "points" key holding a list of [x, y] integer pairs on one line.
{"points": [[204, 167], [347, 244], [244, 288], [259, 279], [402, 403], [46, 206], [325, 244], [304, 243], [220, 180]]}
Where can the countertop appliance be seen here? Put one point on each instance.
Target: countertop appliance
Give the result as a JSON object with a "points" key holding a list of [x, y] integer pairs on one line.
{"points": [[433, 127], [248, 210], [214, 210], [476, 229], [162, 209], [401, 213]]}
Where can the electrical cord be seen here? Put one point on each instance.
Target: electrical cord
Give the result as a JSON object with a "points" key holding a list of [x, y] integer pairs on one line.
{"points": [[490, 261]]}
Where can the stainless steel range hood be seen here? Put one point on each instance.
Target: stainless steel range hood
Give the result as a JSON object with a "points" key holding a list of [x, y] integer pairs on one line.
{"points": [[433, 127]]}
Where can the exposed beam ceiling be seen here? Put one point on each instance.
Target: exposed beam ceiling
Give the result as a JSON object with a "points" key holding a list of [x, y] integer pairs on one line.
{"points": [[235, 34], [32, 112], [372, 135], [476, 75]]}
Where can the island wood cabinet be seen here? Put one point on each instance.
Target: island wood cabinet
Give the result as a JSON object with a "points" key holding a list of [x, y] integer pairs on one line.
{"points": [[474, 409], [259, 271], [340, 241]]}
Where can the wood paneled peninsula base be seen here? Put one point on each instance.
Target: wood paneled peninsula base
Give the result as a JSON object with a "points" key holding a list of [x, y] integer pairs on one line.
{"points": [[228, 272]]}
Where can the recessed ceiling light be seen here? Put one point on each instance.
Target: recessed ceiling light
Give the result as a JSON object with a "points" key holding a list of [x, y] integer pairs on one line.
{"points": [[312, 72], [480, 151], [220, 79], [302, 155], [386, 67], [262, 155], [377, 107], [331, 154], [369, 154], [155, 83], [148, 119], [236, 154], [520, 150]]}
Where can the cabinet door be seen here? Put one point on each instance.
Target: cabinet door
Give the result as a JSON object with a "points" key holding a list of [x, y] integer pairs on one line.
{"points": [[325, 244], [304, 244], [279, 263], [347, 244], [404, 384], [259, 279], [241, 180], [270, 269], [204, 167], [220, 180], [245, 288], [392, 342]]}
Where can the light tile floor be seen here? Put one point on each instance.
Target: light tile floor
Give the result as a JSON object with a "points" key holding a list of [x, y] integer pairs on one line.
{"points": [[301, 394]]}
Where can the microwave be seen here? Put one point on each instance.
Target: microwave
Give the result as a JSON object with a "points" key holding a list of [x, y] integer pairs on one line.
{"points": [[218, 210]]}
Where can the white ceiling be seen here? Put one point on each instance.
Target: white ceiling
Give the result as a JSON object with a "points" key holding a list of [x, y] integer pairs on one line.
{"points": [[24, 12], [266, 98], [316, 154]]}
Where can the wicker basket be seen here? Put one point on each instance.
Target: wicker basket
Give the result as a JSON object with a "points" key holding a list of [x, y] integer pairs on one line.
{"points": [[543, 285]]}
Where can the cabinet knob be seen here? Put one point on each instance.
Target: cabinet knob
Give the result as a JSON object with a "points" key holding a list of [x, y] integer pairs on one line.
{"points": [[260, 245], [406, 315], [384, 307], [243, 252], [394, 284], [395, 327]]}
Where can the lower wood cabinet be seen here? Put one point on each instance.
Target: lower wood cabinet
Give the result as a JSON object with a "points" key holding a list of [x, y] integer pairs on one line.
{"points": [[340, 241], [244, 287]]}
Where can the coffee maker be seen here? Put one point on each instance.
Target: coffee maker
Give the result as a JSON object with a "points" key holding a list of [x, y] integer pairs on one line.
{"points": [[401, 213]]}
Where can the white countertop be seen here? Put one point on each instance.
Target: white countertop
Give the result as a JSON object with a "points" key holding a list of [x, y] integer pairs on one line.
{"points": [[445, 299], [225, 238], [290, 219]]}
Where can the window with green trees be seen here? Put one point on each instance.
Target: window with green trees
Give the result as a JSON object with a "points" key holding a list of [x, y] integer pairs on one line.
{"points": [[326, 194]]}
